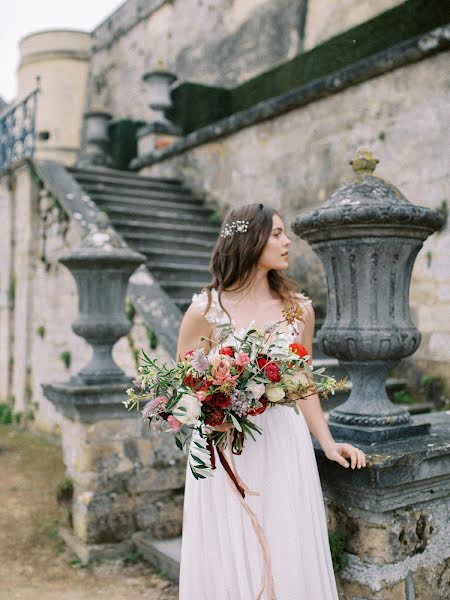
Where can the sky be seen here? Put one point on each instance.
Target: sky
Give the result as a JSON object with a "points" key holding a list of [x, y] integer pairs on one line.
{"points": [[21, 17]]}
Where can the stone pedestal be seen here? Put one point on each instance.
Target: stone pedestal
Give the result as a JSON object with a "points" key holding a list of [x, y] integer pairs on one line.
{"points": [[395, 517], [155, 136], [126, 477]]}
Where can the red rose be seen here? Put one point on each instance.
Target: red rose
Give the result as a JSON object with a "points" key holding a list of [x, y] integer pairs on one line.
{"points": [[220, 399], [261, 409], [188, 354], [298, 349], [228, 350], [213, 416], [261, 362], [273, 372], [193, 382]]}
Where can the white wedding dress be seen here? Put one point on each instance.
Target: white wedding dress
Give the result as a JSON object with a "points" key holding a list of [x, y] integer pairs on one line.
{"points": [[220, 555]]}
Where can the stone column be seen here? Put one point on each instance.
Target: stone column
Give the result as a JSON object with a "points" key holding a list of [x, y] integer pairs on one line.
{"points": [[394, 514], [126, 477]]}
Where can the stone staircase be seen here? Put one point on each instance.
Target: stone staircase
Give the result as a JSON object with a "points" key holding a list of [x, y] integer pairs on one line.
{"points": [[163, 220]]}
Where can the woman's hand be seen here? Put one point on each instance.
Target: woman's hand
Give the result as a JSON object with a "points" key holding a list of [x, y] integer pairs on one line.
{"points": [[339, 452]]}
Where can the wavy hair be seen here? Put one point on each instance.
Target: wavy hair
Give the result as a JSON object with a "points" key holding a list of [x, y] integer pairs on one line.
{"points": [[234, 259]]}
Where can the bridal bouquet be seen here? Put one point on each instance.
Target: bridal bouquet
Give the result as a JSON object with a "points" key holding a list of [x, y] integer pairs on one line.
{"points": [[231, 384]]}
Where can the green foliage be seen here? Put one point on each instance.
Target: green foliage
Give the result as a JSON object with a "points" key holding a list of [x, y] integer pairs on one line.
{"points": [[132, 557], [41, 331], [403, 397], [64, 490], [152, 338], [6, 416], [66, 358], [77, 563], [12, 289], [196, 105], [130, 310], [382, 136], [337, 547]]}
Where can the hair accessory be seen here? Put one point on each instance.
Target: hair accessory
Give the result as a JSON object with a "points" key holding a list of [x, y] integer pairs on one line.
{"points": [[235, 226]]}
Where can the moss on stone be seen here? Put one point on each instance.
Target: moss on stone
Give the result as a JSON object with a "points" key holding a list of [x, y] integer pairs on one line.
{"points": [[195, 105]]}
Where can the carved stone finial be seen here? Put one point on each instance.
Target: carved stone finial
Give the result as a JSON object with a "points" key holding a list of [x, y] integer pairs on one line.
{"points": [[364, 162]]}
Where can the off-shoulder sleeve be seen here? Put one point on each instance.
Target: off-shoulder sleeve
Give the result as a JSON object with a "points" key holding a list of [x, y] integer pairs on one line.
{"points": [[215, 314]]}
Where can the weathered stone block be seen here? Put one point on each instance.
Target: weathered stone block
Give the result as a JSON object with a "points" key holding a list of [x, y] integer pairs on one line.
{"points": [[357, 591], [161, 516]]}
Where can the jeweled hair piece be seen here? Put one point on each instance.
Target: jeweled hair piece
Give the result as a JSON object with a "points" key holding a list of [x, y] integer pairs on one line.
{"points": [[234, 227]]}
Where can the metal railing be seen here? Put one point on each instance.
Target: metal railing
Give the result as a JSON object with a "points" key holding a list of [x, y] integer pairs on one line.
{"points": [[18, 129]]}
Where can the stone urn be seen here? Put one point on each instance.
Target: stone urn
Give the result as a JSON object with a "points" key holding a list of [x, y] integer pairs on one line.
{"points": [[96, 150], [159, 83], [367, 236], [101, 267]]}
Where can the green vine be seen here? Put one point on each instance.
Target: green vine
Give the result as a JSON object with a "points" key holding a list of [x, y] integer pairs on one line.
{"points": [[66, 358], [51, 213], [12, 289], [152, 338], [40, 331], [337, 547]]}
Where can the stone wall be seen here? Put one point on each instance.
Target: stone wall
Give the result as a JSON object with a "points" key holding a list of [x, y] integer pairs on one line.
{"points": [[325, 19], [38, 301], [232, 40], [297, 160]]}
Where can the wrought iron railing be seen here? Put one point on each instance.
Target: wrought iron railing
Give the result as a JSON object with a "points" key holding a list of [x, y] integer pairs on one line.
{"points": [[18, 130]]}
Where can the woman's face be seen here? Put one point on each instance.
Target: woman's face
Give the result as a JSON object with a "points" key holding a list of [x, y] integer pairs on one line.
{"points": [[275, 253]]}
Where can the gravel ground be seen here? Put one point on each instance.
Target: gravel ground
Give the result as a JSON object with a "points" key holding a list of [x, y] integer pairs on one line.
{"points": [[34, 563]]}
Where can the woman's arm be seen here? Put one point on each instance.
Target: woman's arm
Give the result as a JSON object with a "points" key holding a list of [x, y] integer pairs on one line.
{"points": [[314, 416], [193, 328]]}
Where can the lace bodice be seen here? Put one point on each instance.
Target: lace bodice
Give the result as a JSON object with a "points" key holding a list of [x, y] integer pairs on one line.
{"points": [[216, 315]]}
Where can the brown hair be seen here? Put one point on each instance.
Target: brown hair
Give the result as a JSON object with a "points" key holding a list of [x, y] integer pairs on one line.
{"points": [[234, 259]]}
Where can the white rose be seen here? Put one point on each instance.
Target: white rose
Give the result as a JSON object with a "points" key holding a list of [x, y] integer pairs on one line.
{"points": [[256, 391], [296, 384], [191, 413], [274, 392]]}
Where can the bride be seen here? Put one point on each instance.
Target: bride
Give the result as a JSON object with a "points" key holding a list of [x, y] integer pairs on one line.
{"points": [[220, 556]]}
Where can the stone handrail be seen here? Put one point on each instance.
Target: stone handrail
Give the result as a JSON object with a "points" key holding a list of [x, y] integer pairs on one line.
{"points": [[155, 307]]}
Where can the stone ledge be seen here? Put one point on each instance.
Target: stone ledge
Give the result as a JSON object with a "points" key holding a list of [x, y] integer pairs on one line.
{"points": [[165, 555], [403, 54], [406, 471]]}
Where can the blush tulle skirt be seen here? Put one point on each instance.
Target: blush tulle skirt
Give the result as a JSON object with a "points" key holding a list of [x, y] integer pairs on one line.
{"points": [[220, 555]]}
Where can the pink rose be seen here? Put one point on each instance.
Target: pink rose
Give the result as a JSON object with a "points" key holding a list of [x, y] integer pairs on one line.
{"points": [[242, 359], [220, 366], [201, 395], [174, 423]]}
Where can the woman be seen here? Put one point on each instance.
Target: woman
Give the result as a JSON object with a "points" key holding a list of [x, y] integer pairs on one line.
{"points": [[220, 558]]}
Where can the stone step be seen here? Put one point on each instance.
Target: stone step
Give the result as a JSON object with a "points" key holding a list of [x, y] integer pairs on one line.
{"points": [[116, 175], [140, 193], [170, 271], [157, 215], [131, 202], [163, 555], [149, 242], [131, 225], [181, 256], [182, 289]]}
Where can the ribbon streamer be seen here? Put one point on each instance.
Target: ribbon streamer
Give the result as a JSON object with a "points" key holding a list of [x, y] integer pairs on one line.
{"points": [[240, 488]]}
